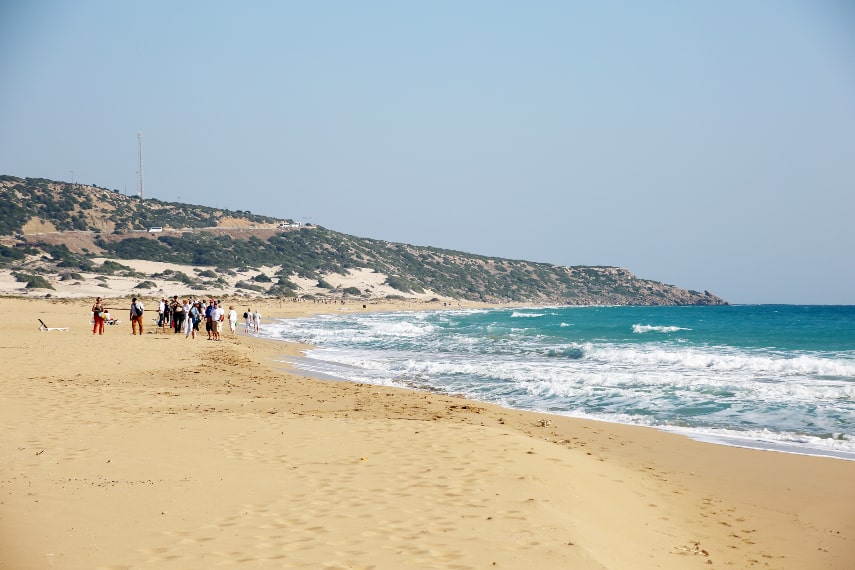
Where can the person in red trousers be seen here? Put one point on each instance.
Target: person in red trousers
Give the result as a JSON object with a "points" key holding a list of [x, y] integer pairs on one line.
{"points": [[98, 315]]}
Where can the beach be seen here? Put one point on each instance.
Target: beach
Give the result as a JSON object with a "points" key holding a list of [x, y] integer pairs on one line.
{"points": [[156, 451]]}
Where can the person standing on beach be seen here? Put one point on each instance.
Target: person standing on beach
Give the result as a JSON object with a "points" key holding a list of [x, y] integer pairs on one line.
{"points": [[161, 312], [247, 316], [256, 320], [232, 318], [209, 319], [188, 318], [137, 310], [177, 314], [193, 318], [218, 315], [98, 316]]}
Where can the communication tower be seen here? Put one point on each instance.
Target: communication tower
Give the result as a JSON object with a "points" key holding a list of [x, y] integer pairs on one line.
{"points": [[139, 144]]}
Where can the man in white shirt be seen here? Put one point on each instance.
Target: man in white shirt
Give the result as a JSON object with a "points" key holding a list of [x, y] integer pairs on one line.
{"points": [[217, 320]]}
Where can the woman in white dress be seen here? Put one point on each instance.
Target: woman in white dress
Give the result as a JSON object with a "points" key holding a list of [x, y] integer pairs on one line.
{"points": [[188, 322], [232, 318]]}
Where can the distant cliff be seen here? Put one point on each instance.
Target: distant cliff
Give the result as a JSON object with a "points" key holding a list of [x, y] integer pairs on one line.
{"points": [[73, 223]]}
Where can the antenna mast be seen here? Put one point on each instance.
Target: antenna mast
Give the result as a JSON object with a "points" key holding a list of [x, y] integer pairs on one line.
{"points": [[139, 142]]}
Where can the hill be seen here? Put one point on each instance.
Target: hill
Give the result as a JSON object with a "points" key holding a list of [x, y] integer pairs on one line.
{"points": [[55, 231]]}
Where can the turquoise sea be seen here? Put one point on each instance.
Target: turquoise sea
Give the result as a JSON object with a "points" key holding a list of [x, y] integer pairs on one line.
{"points": [[775, 377]]}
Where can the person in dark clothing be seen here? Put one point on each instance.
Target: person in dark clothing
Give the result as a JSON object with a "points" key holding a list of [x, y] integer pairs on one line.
{"points": [[177, 314]]}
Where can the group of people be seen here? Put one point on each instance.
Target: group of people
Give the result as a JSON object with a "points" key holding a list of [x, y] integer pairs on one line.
{"points": [[185, 315]]}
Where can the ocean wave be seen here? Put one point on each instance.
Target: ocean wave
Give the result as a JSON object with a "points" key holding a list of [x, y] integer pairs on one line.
{"points": [[572, 352], [350, 329], [519, 315], [837, 445], [718, 359], [639, 329]]}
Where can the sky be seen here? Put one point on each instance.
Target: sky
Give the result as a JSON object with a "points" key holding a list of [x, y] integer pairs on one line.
{"points": [[708, 145]]}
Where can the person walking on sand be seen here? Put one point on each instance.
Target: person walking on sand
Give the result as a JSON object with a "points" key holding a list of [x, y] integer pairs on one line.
{"points": [[98, 316], [188, 319], [217, 317], [199, 315], [177, 314], [232, 318], [193, 320], [256, 320], [248, 318], [137, 310], [209, 319]]}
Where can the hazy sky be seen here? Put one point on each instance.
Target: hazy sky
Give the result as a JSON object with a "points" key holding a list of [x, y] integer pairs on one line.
{"points": [[710, 145]]}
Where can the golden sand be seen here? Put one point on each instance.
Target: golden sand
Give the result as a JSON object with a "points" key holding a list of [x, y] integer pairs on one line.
{"points": [[157, 451]]}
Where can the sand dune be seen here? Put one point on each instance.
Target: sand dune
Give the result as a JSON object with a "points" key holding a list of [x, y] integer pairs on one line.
{"points": [[122, 284]]}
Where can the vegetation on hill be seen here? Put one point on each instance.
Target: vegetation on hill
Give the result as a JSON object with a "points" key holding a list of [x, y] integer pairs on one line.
{"points": [[71, 207], [313, 253]]}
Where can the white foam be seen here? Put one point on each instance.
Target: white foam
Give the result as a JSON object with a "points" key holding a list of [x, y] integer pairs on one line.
{"points": [[839, 446], [639, 329], [722, 359]]}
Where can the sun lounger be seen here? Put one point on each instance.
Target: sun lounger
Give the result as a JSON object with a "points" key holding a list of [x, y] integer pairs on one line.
{"points": [[43, 327]]}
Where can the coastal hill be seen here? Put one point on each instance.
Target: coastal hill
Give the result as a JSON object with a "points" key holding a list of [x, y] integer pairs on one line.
{"points": [[57, 232]]}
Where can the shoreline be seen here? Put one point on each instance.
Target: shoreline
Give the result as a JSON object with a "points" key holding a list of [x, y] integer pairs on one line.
{"points": [[210, 454], [723, 440], [792, 442]]}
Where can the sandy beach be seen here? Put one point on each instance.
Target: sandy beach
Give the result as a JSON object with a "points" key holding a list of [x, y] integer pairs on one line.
{"points": [[157, 451]]}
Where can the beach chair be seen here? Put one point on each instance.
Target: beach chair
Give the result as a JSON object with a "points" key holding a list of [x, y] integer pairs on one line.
{"points": [[44, 328]]}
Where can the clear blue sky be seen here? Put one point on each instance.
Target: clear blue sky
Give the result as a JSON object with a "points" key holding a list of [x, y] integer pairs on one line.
{"points": [[710, 145]]}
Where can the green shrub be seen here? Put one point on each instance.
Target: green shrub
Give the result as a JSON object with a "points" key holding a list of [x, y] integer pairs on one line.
{"points": [[10, 254], [249, 286], [181, 277], [110, 267], [280, 290], [402, 284], [38, 282], [352, 291], [77, 262], [146, 285]]}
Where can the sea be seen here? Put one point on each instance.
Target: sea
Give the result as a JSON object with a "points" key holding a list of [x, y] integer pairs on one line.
{"points": [[772, 377]]}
